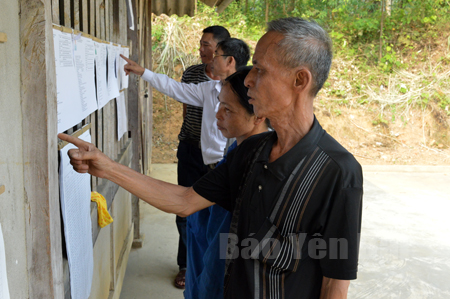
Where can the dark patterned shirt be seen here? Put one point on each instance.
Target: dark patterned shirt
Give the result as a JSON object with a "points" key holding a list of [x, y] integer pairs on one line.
{"points": [[192, 123], [283, 249]]}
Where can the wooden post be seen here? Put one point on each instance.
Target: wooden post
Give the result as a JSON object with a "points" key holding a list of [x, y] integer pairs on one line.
{"points": [[40, 153], [134, 122], [149, 100]]}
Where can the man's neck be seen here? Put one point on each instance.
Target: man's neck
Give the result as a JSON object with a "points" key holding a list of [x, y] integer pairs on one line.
{"points": [[229, 73], [209, 72], [290, 130]]}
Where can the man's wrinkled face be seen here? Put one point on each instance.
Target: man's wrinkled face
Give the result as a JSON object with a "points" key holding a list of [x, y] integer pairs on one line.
{"points": [[269, 83], [207, 47]]}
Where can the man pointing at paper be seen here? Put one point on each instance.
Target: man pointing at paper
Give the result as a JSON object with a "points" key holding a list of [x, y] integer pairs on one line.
{"points": [[295, 193]]}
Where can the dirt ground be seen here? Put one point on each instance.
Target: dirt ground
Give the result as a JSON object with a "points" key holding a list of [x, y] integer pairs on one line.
{"points": [[415, 137]]}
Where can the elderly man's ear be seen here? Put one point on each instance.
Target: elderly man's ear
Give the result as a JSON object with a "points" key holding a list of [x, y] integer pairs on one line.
{"points": [[303, 79]]}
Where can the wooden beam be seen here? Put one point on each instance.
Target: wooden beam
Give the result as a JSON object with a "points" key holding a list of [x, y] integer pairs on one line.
{"points": [[40, 154], [3, 37], [78, 133]]}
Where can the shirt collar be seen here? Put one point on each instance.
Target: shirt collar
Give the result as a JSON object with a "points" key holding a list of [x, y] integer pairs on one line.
{"points": [[283, 166], [218, 85]]}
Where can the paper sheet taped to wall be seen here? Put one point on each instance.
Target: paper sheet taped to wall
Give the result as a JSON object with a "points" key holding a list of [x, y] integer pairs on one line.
{"points": [[84, 54], [122, 123], [123, 76], [75, 192], [4, 290], [69, 107], [101, 74], [113, 87]]}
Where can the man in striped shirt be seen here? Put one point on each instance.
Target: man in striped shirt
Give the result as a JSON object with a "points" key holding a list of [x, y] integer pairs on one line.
{"points": [[190, 163]]}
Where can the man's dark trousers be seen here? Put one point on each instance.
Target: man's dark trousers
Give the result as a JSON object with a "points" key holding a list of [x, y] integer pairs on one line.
{"points": [[190, 169]]}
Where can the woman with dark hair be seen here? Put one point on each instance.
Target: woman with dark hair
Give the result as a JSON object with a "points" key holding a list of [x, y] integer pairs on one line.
{"points": [[206, 228]]}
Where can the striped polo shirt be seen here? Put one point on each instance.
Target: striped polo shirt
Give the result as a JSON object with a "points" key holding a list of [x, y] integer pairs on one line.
{"points": [[192, 123]]}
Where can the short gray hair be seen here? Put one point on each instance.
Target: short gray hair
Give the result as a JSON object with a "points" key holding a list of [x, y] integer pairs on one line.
{"points": [[304, 43]]}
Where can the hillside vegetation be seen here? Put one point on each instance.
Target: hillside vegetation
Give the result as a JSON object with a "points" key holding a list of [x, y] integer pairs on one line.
{"points": [[387, 99]]}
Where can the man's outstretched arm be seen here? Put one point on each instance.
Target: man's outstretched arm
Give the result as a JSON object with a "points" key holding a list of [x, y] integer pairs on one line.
{"points": [[334, 288], [192, 94], [167, 197]]}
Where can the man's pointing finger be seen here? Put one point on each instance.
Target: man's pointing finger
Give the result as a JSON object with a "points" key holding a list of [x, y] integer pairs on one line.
{"points": [[126, 59], [74, 140]]}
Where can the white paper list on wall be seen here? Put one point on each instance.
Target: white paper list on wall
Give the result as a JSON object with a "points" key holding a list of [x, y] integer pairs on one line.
{"points": [[100, 74], [75, 194], [84, 54], [113, 87], [69, 107], [122, 123], [4, 290]]}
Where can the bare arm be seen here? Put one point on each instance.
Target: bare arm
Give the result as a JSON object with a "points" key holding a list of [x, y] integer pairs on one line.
{"points": [[167, 197], [334, 288]]}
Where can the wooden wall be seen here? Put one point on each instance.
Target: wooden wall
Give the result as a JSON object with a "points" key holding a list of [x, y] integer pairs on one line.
{"points": [[107, 20]]}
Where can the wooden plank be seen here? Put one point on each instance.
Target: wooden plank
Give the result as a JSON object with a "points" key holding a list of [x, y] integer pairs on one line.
{"points": [[2, 189], [100, 135], [84, 16], [94, 141], [92, 17], [76, 14], [3, 37], [102, 21], [97, 17], [67, 19], [107, 20], [134, 123], [107, 134], [40, 155], [55, 12]]}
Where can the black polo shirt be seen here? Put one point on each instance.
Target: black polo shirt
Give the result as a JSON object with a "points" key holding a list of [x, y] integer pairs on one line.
{"points": [[324, 213]]}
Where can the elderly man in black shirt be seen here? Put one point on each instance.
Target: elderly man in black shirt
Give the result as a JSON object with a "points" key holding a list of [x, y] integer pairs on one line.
{"points": [[295, 193]]}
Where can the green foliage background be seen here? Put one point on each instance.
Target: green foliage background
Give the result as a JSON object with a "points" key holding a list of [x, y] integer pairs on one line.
{"points": [[375, 40]]}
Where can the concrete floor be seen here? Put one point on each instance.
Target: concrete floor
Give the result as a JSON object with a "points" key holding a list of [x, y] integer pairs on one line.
{"points": [[405, 242]]}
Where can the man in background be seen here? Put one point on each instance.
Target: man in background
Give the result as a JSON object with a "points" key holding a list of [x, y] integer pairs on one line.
{"points": [[190, 163]]}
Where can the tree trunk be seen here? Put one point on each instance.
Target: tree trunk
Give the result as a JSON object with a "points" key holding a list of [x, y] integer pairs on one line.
{"points": [[267, 11], [246, 7]]}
